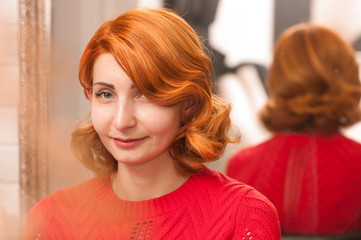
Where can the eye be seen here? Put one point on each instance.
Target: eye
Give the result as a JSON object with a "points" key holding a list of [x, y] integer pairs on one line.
{"points": [[141, 97], [104, 94]]}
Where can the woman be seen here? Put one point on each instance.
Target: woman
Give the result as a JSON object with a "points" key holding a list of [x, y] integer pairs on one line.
{"points": [[154, 123], [308, 169]]}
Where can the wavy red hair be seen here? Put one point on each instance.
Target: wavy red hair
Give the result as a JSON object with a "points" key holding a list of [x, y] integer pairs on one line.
{"points": [[167, 62], [313, 82]]}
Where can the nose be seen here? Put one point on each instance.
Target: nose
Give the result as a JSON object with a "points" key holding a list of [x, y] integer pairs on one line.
{"points": [[124, 116]]}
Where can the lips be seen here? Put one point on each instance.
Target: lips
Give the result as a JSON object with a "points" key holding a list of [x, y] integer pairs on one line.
{"points": [[129, 142]]}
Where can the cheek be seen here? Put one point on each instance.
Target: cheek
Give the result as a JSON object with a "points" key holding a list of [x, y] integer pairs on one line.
{"points": [[101, 119], [161, 120]]}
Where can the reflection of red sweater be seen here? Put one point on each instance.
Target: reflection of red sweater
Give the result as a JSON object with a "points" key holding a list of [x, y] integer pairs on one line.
{"points": [[313, 181], [208, 206]]}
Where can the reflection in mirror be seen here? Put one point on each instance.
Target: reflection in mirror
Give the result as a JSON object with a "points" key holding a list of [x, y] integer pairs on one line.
{"points": [[300, 169]]}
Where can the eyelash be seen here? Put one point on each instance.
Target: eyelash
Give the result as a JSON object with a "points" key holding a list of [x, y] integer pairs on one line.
{"points": [[141, 96], [102, 93]]}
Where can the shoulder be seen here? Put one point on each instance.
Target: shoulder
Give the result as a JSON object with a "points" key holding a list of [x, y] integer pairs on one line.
{"points": [[340, 138], [59, 205], [342, 148], [260, 148], [250, 155], [74, 195], [70, 195], [245, 195], [257, 218], [89, 188], [251, 211]]}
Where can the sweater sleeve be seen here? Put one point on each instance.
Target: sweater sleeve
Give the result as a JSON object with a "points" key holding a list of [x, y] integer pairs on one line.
{"points": [[35, 222], [257, 219]]}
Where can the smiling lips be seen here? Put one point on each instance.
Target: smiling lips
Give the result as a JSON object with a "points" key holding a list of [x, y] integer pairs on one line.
{"points": [[129, 142]]}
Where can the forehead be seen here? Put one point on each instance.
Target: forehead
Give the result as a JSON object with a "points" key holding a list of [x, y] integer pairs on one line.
{"points": [[107, 72], [105, 67]]}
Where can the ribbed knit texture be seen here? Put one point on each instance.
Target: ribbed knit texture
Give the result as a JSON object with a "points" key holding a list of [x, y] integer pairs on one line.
{"points": [[313, 181], [208, 205]]}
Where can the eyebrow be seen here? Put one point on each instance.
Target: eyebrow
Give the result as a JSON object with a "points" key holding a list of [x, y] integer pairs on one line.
{"points": [[111, 86]]}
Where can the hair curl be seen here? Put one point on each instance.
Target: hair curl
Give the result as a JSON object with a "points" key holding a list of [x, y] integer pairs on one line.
{"points": [[313, 82], [167, 62]]}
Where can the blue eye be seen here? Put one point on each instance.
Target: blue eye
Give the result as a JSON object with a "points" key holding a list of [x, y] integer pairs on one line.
{"points": [[107, 95], [104, 94]]}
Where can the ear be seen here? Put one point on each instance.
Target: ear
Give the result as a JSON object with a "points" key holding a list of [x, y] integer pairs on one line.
{"points": [[89, 94], [191, 106]]}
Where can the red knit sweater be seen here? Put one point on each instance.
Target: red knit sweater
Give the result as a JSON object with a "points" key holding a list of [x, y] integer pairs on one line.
{"points": [[208, 206], [313, 181]]}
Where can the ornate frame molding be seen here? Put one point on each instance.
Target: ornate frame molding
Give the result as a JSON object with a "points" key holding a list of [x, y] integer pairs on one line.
{"points": [[34, 48]]}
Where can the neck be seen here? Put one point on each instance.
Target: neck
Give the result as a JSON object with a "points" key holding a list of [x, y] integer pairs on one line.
{"points": [[146, 181]]}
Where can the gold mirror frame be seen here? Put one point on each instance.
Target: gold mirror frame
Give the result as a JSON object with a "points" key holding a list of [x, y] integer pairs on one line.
{"points": [[34, 62]]}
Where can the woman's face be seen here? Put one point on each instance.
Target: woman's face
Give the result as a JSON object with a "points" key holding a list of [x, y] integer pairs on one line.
{"points": [[133, 129]]}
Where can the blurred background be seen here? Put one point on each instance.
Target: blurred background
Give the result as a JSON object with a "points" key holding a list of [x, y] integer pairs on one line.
{"points": [[240, 34]]}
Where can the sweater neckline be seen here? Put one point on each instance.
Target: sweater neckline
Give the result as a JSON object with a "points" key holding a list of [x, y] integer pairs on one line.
{"points": [[167, 203]]}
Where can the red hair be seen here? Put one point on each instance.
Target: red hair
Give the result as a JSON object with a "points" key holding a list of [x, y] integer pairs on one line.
{"points": [[167, 62], [313, 82]]}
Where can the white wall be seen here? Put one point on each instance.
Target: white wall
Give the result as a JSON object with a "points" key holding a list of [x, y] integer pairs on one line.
{"points": [[243, 30], [9, 87]]}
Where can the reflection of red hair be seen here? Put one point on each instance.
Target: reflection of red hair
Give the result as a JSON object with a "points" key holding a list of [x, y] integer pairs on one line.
{"points": [[164, 58], [313, 82]]}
